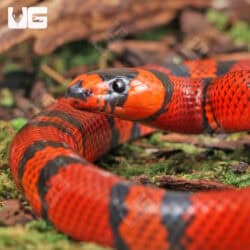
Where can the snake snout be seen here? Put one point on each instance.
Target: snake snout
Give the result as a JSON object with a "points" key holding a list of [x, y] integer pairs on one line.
{"points": [[77, 91]]}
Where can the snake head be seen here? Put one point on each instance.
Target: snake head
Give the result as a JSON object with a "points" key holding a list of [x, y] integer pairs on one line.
{"points": [[126, 93]]}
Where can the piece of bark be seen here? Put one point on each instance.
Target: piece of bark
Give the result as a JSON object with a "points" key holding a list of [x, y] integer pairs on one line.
{"points": [[5, 113], [181, 184], [201, 37], [174, 183], [142, 179], [40, 96], [197, 43], [218, 143], [137, 53], [25, 105], [13, 212], [232, 56], [193, 22], [240, 168]]}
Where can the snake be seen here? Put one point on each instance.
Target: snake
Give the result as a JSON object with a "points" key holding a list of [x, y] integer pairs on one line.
{"points": [[51, 157]]}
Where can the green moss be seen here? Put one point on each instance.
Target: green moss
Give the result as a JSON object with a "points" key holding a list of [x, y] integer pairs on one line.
{"points": [[73, 55], [18, 123], [236, 180], [218, 19], [6, 135], [182, 159], [155, 139], [10, 67], [7, 187], [154, 34], [240, 32], [39, 235], [6, 98]]}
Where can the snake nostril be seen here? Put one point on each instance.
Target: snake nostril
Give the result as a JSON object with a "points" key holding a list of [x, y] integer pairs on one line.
{"points": [[88, 92]]}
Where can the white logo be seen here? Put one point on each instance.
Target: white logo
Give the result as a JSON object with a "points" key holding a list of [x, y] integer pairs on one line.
{"points": [[32, 18]]}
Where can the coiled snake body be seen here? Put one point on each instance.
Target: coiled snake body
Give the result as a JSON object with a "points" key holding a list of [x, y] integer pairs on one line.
{"points": [[50, 158]]}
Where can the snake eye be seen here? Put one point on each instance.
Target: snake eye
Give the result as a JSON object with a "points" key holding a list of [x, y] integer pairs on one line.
{"points": [[118, 85]]}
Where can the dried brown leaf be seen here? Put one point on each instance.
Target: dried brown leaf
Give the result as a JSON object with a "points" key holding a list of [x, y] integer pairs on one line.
{"points": [[92, 19]]}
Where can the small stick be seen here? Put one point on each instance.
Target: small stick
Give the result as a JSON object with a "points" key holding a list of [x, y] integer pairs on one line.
{"points": [[53, 74]]}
